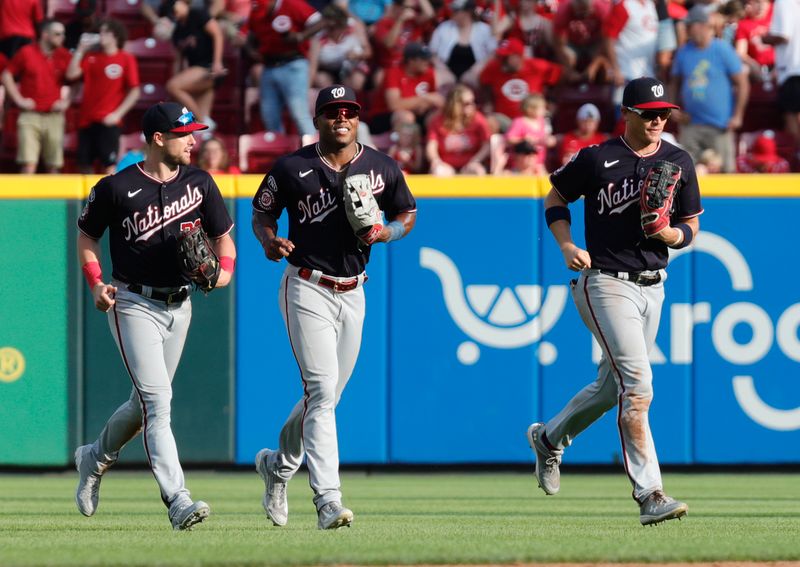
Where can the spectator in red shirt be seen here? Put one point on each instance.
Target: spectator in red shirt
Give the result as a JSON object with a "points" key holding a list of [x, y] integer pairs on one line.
{"points": [[339, 53], [281, 29], [763, 157], [409, 93], [458, 137], [110, 89], [18, 22], [585, 135], [404, 22], [40, 68], [577, 39], [510, 76], [407, 148], [757, 55], [527, 23], [213, 157]]}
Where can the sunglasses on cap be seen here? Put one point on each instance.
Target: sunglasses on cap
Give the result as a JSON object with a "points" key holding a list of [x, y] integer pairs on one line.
{"points": [[661, 113], [183, 120], [333, 112]]}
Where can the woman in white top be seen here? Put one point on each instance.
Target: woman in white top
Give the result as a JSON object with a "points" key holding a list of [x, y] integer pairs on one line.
{"points": [[462, 45]]}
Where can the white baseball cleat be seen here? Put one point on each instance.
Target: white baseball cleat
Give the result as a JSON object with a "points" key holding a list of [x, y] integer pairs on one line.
{"points": [[333, 516], [658, 507], [547, 472], [185, 514], [87, 496], [275, 503]]}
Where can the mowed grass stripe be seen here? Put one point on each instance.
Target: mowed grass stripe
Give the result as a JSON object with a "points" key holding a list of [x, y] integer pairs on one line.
{"points": [[402, 519]]}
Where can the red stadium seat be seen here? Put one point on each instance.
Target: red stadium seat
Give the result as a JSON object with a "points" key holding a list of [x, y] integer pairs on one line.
{"points": [[258, 151], [61, 10], [129, 13], [571, 98], [762, 112], [151, 94], [154, 58]]}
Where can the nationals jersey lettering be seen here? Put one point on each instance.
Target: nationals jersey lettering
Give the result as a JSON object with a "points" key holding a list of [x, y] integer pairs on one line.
{"points": [[318, 225], [144, 217], [156, 218], [614, 236]]}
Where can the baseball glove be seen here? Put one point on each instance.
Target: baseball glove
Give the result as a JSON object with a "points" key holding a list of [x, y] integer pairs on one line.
{"points": [[655, 200], [197, 259], [361, 208]]}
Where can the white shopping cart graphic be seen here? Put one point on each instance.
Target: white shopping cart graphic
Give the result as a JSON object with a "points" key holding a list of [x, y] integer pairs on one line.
{"points": [[504, 318]]}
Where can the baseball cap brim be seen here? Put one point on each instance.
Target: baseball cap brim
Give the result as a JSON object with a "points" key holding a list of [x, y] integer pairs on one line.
{"points": [[339, 102], [656, 104], [191, 127]]}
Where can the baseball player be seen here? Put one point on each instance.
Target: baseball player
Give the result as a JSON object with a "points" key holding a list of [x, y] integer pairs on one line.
{"points": [[321, 295], [620, 290], [145, 207]]}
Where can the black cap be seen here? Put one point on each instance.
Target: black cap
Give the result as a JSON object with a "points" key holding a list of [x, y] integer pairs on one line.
{"points": [[335, 94], [524, 147], [416, 50], [169, 117], [644, 93]]}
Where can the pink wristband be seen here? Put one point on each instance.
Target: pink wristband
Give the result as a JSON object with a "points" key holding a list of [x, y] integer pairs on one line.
{"points": [[227, 263], [92, 273]]}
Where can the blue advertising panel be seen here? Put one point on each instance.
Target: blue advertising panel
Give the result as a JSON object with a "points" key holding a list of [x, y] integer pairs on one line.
{"points": [[268, 379], [746, 311], [466, 312]]}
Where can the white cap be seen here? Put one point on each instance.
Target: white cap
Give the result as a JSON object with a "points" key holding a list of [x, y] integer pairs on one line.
{"points": [[588, 110]]}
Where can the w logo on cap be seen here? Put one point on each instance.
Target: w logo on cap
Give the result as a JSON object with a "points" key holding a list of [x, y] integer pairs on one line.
{"points": [[658, 90], [337, 92]]}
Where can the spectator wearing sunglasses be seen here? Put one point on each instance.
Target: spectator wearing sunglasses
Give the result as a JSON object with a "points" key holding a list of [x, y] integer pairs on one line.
{"points": [[41, 69], [711, 82]]}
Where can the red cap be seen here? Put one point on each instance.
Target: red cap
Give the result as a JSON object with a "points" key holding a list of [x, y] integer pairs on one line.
{"points": [[510, 46], [765, 149]]}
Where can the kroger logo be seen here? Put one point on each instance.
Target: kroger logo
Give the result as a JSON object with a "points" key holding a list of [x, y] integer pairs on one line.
{"points": [[519, 316]]}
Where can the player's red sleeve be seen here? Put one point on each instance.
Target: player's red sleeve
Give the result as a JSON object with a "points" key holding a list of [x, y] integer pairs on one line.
{"points": [[615, 20]]}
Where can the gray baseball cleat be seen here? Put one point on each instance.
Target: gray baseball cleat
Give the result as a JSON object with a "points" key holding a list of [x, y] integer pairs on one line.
{"points": [[87, 496], [658, 507], [184, 514], [275, 503], [333, 516], [547, 461]]}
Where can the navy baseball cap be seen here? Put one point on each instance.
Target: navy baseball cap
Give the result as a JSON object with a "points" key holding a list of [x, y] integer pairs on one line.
{"points": [[169, 117], [646, 93], [335, 94]]}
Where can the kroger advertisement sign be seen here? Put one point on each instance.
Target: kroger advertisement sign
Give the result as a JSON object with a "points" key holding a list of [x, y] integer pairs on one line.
{"points": [[481, 338]]}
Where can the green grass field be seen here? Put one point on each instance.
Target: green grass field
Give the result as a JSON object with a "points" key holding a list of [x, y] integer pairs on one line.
{"points": [[402, 519]]}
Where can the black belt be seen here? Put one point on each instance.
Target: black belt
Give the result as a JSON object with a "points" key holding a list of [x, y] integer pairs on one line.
{"points": [[337, 285], [272, 62], [167, 295], [639, 278]]}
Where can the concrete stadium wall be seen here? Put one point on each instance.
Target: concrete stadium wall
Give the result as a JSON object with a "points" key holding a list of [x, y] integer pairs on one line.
{"points": [[469, 336]]}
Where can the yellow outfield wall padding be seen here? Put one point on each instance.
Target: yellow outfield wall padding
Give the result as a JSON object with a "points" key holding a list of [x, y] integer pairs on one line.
{"points": [[427, 186], [17, 186]]}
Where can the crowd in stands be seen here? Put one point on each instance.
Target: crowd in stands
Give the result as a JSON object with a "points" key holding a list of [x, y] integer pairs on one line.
{"points": [[447, 87]]}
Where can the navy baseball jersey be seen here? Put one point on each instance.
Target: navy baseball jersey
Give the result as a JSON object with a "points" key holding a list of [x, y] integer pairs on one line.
{"points": [[311, 192], [144, 216], [609, 177]]}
